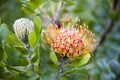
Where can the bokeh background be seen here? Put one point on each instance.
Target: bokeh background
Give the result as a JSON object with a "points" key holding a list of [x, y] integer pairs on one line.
{"points": [[101, 16]]}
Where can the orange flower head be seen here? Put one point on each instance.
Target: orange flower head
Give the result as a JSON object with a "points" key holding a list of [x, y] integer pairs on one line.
{"points": [[70, 40]]}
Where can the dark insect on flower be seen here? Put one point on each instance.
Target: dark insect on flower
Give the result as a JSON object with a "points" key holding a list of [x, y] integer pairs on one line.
{"points": [[58, 23]]}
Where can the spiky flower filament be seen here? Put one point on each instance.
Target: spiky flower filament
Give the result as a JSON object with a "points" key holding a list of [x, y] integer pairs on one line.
{"points": [[69, 40]]}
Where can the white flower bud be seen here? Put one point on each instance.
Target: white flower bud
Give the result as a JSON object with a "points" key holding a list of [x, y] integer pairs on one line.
{"points": [[22, 28]]}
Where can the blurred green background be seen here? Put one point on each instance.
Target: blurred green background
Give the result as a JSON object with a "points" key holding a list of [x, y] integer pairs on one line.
{"points": [[101, 16]]}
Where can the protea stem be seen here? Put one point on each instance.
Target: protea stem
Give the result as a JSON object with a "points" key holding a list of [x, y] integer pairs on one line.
{"points": [[29, 56], [61, 66]]}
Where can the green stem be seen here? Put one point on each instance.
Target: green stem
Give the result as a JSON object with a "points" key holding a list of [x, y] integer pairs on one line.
{"points": [[29, 57], [73, 70], [60, 67]]}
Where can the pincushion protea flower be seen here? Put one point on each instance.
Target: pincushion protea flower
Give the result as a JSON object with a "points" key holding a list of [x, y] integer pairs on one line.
{"points": [[22, 28], [70, 40]]}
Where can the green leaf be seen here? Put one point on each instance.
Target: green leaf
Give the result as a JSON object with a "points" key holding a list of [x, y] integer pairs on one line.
{"points": [[63, 78], [78, 73], [55, 0], [8, 36], [37, 24], [4, 31], [70, 3], [34, 3], [0, 21], [32, 39], [14, 57], [12, 40], [2, 64], [2, 54], [17, 68], [27, 10], [34, 58], [78, 10], [21, 49], [21, 68], [80, 61], [84, 59], [53, 57]]}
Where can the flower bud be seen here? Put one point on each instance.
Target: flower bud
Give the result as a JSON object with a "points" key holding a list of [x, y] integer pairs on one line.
{"points": [[22, 28]]}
